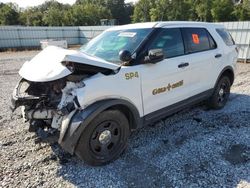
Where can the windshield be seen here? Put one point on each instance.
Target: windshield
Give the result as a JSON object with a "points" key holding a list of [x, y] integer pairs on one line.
{"points": [[108, 44]]}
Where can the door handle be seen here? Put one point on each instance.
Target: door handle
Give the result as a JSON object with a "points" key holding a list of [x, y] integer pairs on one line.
{"points": [[183, 65], [218, 55]]}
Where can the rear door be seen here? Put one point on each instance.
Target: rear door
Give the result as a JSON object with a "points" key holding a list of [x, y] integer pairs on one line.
{"points": [[202, 55], [230, 51]]}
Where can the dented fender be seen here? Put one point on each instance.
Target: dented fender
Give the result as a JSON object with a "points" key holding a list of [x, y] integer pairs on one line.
{"points": [[72, 130]]}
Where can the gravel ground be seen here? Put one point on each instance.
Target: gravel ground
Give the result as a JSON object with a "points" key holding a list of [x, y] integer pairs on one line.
{"points": [[194, 148]]}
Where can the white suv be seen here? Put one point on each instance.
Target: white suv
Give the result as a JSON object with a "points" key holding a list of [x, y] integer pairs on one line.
{"points": [[125, 78]]}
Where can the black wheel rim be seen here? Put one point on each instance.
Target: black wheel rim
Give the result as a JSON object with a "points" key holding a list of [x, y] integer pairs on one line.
{"points": [[223, 93], [105, 139]]}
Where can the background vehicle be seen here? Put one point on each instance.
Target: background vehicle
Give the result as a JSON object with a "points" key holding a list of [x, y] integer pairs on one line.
{"points": [[127, 77]]}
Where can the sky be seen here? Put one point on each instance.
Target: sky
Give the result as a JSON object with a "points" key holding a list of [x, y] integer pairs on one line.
{"points": [[27, 3]]}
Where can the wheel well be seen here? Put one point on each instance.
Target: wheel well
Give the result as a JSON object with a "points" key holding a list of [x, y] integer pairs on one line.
{"points": [[229, 73], [128, 113]]}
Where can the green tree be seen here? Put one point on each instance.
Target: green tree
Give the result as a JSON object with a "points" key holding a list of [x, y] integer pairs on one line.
{"points": [[129, 8], [51, 4], [53, 17], [96, 2], [142, 10], [178, 10], [50, 13], [159, 12], [222, 10], [203, 10], [77, 15], [95, 13], [242, 11], [31, 17], [9, 14], [68, 19], [88, 14], [119, 10]]}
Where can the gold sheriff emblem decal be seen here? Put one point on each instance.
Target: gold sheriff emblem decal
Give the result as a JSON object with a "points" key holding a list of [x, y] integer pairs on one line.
{"points": [[167, 88]]}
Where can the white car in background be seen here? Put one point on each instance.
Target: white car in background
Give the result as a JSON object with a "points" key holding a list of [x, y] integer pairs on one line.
{"points": [[127, 77]]}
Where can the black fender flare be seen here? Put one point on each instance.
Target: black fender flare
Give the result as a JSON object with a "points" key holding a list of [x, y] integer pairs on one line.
{"points": [[82, 118], [230, 68]]}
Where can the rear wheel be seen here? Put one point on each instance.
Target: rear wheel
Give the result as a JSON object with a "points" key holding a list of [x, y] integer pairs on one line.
{"points": [[221, 94], [104, 139]]}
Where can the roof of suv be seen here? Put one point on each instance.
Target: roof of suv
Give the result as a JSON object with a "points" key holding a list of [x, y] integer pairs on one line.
{"points": [[164, 24]]}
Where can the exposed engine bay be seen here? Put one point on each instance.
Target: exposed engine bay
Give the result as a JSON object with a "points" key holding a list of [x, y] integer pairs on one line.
{"points": [[48, 99]]}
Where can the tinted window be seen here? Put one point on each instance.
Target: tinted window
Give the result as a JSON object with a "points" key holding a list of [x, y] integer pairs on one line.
{"points": [[225, 35], [196, 39], [211, 41], [170, 40]]}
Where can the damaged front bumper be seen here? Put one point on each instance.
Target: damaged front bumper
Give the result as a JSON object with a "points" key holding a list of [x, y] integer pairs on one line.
{"points": [[21, 100], [20, 97], [42, 110], [45, 101]]}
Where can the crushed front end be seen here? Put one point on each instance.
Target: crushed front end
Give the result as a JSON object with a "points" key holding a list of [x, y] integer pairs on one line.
{"points": [[51, 85], [46, 103]]}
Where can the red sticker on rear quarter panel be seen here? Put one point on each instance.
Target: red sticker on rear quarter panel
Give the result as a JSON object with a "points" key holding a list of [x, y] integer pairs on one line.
{"points": [[196, 39]]}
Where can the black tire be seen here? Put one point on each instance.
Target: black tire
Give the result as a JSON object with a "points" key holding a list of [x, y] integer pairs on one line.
{"points": [[221, 94], [104, 139]]}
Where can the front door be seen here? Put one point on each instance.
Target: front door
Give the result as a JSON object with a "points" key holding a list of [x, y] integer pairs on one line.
{"points": [[166, 82]]}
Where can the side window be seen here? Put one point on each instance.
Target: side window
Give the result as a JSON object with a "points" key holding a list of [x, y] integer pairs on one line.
{"points": [[170, 40], [225, 35], [196, 40], [212, 43]]}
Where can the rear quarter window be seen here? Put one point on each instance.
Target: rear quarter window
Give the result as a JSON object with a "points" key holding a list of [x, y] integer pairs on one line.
{"points": [[225, 35], [197, 40]]}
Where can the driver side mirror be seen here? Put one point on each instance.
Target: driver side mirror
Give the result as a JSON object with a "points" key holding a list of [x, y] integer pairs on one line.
{"points": [[154, 56], [125, 56]]}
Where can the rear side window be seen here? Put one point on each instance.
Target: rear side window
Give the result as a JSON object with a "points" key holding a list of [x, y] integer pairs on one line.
{"points": [[197, 40], [225, 35]]}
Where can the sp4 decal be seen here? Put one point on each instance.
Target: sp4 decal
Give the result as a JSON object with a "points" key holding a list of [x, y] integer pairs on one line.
{"points": [[131, 75]]}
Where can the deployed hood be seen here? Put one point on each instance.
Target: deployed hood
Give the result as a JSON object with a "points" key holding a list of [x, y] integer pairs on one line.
{"points": [[46, 66]]}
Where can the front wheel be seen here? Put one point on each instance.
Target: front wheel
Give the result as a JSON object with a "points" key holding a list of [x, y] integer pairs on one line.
{"points": [[104, 139], [221, 93]]}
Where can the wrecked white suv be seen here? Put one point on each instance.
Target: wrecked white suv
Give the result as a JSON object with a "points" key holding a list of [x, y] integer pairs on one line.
{"points": [[127, 77]]}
